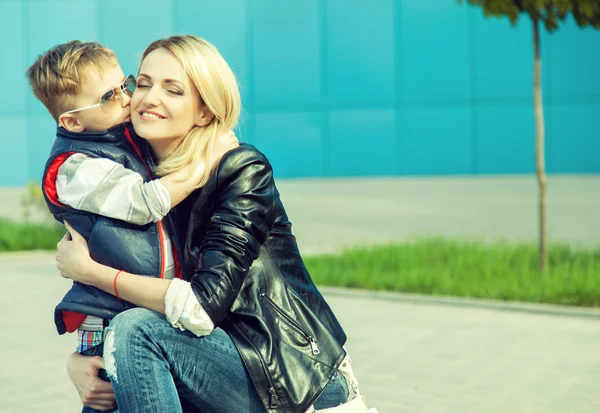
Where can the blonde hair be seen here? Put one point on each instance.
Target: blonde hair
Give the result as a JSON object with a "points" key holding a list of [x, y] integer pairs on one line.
{"points": [[57, 75], [219, 92]]}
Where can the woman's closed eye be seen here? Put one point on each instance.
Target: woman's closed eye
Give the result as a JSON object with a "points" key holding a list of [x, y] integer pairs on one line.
{"points": [[175, 92], [144, 84]]}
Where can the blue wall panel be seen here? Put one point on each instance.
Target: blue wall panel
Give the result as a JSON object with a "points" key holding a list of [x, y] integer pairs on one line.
{"points": [[41, 131], [77, 22], [575, 138], [497, 146], [504, 59], [362, 142], [293, 142], [436, 141], [14, 161], [360, 52], [13, 51], [117, 20], [342, 87], [286, 57], [435, 65], [245, 130], [575, 63]]}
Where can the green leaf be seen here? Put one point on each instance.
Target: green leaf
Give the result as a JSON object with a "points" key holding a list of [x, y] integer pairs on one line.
{"points": [[550, 12]]}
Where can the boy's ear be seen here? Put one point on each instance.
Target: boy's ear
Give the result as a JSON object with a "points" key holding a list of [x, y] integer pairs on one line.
{"points": [[70, 123], [205, 116]]}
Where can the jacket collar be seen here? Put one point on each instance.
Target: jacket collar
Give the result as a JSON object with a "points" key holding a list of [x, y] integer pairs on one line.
{"points": [[114, 134]]}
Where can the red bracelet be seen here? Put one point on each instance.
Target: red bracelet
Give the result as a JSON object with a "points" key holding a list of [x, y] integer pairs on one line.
{"points": [[115, 284]]}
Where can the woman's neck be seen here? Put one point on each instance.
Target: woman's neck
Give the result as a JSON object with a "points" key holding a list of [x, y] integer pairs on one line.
{"points": [[162, 149]]}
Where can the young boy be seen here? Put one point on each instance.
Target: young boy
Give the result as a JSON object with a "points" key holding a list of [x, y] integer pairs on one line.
{"points": [[98, 178]]}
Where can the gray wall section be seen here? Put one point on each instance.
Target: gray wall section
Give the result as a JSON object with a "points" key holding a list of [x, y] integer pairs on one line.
{"points": [[332, 214]]}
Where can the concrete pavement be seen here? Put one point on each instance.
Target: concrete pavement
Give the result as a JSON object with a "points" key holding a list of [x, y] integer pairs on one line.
{"points": [[409, 356], [415, 355]]}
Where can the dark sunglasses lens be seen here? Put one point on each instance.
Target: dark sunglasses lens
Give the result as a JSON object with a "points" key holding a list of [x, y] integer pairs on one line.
{"points": [[107, 97], [129, 85]]}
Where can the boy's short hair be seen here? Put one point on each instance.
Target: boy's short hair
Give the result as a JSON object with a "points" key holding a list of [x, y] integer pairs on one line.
{"points": [[57, 75]]}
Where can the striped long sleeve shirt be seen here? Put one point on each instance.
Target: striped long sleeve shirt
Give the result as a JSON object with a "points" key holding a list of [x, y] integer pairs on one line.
{"points": [[104, 187]]}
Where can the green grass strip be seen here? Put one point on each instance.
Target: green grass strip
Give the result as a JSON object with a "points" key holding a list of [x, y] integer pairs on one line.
{"points": [[15, 236], [466, 269], [431, 266]]}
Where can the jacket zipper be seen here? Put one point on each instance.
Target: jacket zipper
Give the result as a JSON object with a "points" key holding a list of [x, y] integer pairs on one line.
{"points": [[272, 392], [311, 340]]}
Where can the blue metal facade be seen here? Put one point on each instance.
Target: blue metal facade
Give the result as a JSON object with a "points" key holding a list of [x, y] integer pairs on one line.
{"points": [[339, 87]]}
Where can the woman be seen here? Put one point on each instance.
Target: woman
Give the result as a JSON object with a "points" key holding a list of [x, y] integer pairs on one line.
{"points": [[254, 333]]}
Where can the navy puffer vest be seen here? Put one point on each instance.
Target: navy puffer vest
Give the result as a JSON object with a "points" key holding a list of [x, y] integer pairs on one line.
{"points": [[118, 244]]}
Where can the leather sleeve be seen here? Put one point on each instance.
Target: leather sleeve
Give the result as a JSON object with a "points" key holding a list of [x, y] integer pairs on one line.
{"points": [[241, 221]]}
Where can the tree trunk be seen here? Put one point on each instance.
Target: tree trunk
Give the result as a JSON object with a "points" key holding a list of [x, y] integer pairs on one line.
{"points": [[540, 159]]}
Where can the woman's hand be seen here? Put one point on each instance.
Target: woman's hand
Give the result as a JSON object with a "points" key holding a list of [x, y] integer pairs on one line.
{"points": [[73, 257], [93, 391]]}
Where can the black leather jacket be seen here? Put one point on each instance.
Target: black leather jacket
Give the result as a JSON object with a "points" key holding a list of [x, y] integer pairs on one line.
{"points": [[247, 273]]}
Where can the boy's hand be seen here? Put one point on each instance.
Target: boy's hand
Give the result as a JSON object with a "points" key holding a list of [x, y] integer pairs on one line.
{"points": [[93, 391], [223, 144], [226, 142], [73, 256], [184, 181]]}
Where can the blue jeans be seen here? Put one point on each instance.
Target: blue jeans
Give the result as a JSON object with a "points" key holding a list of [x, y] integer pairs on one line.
{"points": [[154, 367], [96, 351]]}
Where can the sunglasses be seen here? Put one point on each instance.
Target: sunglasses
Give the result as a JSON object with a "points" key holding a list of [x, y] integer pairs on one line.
{"points": [[109, 98]]}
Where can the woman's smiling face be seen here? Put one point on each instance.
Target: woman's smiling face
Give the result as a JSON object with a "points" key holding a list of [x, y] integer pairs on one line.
{"points": [[165, 105]]}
